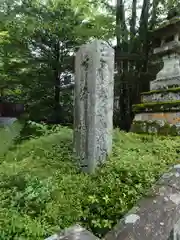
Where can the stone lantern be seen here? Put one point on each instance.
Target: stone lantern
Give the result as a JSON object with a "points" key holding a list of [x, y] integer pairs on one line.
{"points": [[168, 35], [159, 110]]}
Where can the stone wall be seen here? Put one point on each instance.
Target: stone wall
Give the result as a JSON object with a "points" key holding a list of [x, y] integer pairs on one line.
{"points": [[155, 217]]}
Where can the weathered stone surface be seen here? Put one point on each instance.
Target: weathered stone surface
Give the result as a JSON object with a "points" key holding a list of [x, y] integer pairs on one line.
{"points": [[155, 128], [171, 178], [159, 123], [175, 234], [161, 97], [167, 48], [73, 233], [93, 114], [164, 83], [169, 75], [170, 51], [166, 117], [155, 216]]}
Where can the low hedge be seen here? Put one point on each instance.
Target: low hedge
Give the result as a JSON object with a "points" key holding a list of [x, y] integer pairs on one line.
{"points": [[43, 191]]}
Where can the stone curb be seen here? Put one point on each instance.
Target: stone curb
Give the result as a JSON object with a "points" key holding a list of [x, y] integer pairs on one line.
{"points": [[75, 232]]}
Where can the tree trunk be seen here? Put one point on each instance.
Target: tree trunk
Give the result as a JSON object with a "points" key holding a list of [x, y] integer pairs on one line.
{"points": [[143, 33], [57, 83], [122, 66], [153, 14]]}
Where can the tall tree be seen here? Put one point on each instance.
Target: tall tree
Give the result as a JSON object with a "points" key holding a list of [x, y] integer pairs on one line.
{"points": [[45, 36], [133, 49]]}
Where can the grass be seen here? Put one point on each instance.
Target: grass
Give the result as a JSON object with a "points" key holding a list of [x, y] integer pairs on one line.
{"points": [[43, 191]]}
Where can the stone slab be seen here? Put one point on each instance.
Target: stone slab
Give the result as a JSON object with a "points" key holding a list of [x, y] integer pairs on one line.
{"points": [[171, 178], [169, 117], [168, 48], [165, 83], [75, 232], [161, 97]]}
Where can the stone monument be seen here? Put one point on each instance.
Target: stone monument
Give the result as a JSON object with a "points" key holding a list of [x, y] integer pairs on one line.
{"points": [[159, 111], [93, 110]]}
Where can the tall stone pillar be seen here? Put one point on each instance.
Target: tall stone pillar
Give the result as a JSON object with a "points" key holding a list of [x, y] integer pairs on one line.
{"points": [[93, 111]]}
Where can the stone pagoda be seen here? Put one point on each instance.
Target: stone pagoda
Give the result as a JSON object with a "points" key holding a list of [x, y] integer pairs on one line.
{"points": [[159, 110]]}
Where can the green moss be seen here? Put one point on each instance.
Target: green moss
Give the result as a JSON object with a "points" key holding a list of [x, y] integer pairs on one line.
{"points": [[174, 90], [142, 127], [170, 106]]}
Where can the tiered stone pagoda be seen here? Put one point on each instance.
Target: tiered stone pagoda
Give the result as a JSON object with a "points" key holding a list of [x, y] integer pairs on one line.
{"points": [[159, 111]]}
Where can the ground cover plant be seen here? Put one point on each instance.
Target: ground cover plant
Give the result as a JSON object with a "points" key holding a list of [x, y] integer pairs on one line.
{"points": [[42, 189]]}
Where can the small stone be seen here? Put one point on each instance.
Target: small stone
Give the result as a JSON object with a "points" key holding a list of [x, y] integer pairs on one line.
{"points": [[161, 223], [177, 174], [132, 218], [167, 175], [177, 166], [166, 199]]}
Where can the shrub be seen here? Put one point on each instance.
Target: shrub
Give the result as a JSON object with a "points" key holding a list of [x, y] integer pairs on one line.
{"points": [[33, 130], [42, 190]]}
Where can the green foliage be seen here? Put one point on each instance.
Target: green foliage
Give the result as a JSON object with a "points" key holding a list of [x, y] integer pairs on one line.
{"points": [[39, 41], [33, 130], [43, 191]]}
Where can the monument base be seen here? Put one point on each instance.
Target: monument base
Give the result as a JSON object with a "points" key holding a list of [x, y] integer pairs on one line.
{"points": [[158, 112], [157, 123]]}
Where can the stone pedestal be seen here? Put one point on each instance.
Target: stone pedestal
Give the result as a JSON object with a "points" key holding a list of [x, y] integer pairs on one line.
{"points": [[93, 112], [158, 112], [169, 76]]}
